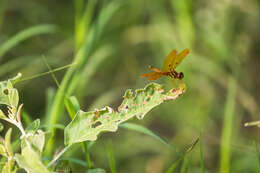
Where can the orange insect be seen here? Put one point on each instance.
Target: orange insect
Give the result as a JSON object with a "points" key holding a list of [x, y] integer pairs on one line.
{"points": [[169, 65]]}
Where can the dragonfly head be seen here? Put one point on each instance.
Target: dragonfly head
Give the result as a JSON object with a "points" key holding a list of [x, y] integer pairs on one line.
{"points": [[180, 75]]}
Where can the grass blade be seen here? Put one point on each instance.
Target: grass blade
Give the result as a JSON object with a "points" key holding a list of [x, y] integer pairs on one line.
{"points": [[184, 165], [144, 130], [227, 127], [111, 157], [257, 152], [23, 35], [201, 156], [74, 74], [180, 158]]}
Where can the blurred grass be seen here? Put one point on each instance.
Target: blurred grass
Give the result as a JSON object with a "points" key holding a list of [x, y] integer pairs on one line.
{"points": [[23, 35], [112, 43], [257, 153], [226, 137], [73, 76], [201, 156]]}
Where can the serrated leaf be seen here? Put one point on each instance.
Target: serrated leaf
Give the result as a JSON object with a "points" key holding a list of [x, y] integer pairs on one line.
{"points": [[30, 161], [8, 145], [34, 126], [87, 125]]}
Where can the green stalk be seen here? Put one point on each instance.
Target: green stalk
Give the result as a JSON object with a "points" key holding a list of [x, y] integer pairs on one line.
{"points": [[227, 127], [73, 75]]}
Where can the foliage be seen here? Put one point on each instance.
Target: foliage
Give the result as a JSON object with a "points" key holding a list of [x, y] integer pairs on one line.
{"points": [[107, 44], [84, 127]]}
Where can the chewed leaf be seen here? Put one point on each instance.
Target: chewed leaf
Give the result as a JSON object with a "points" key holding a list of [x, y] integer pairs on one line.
{"points": [[87, 125], [8, 94]]}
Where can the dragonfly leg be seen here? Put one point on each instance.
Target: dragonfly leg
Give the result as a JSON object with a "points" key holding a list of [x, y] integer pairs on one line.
{"points": [[173, 82], [181, 84]]}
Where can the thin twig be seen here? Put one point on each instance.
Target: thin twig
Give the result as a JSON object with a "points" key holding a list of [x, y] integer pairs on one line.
{"points": [[58, 156]]}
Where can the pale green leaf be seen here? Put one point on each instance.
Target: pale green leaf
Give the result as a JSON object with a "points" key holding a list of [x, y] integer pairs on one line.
{"points": [[2, 115], [87, 125], [34, 126], [30, 161], [8, 94], [8, 144], [36, 139], [3, 151]]}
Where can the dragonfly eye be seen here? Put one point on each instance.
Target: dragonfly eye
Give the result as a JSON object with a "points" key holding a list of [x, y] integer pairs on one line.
{"points": [[181, 75]]}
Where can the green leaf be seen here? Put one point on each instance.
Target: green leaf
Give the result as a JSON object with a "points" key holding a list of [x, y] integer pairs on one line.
{"points": [[36, 139], [8, 144], [30, 161], [87, 125], [144, 130], [34, 126], [8, 95], [72, 106], [3, 151], [2, 115], [97, 170]]}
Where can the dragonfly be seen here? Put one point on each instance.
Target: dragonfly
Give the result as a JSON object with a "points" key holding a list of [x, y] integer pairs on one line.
{"points": [[169, 65]]}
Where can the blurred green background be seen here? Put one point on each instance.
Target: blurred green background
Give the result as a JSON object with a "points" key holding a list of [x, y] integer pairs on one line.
{"points": [[113, 42]]}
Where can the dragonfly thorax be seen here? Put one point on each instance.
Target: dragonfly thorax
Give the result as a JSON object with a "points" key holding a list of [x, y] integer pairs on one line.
{"points": [[175, 74]]}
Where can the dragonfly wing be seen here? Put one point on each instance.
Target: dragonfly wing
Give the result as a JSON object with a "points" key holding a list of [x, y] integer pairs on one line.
{"points": [[169, 61], [179, 58], [152, 75], [148, 74], [156, 70]]}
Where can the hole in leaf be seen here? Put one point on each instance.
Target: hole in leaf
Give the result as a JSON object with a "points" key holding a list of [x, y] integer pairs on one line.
{"points": [[96, 124], [5, 91]]}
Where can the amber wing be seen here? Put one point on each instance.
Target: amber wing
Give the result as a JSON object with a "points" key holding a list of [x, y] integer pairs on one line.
{"points": [[179, 58], [152, 75], [167, 64]]}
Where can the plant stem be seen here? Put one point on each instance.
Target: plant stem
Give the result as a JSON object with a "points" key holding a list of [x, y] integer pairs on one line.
{"points": [[58, 156], [20, 127]]}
